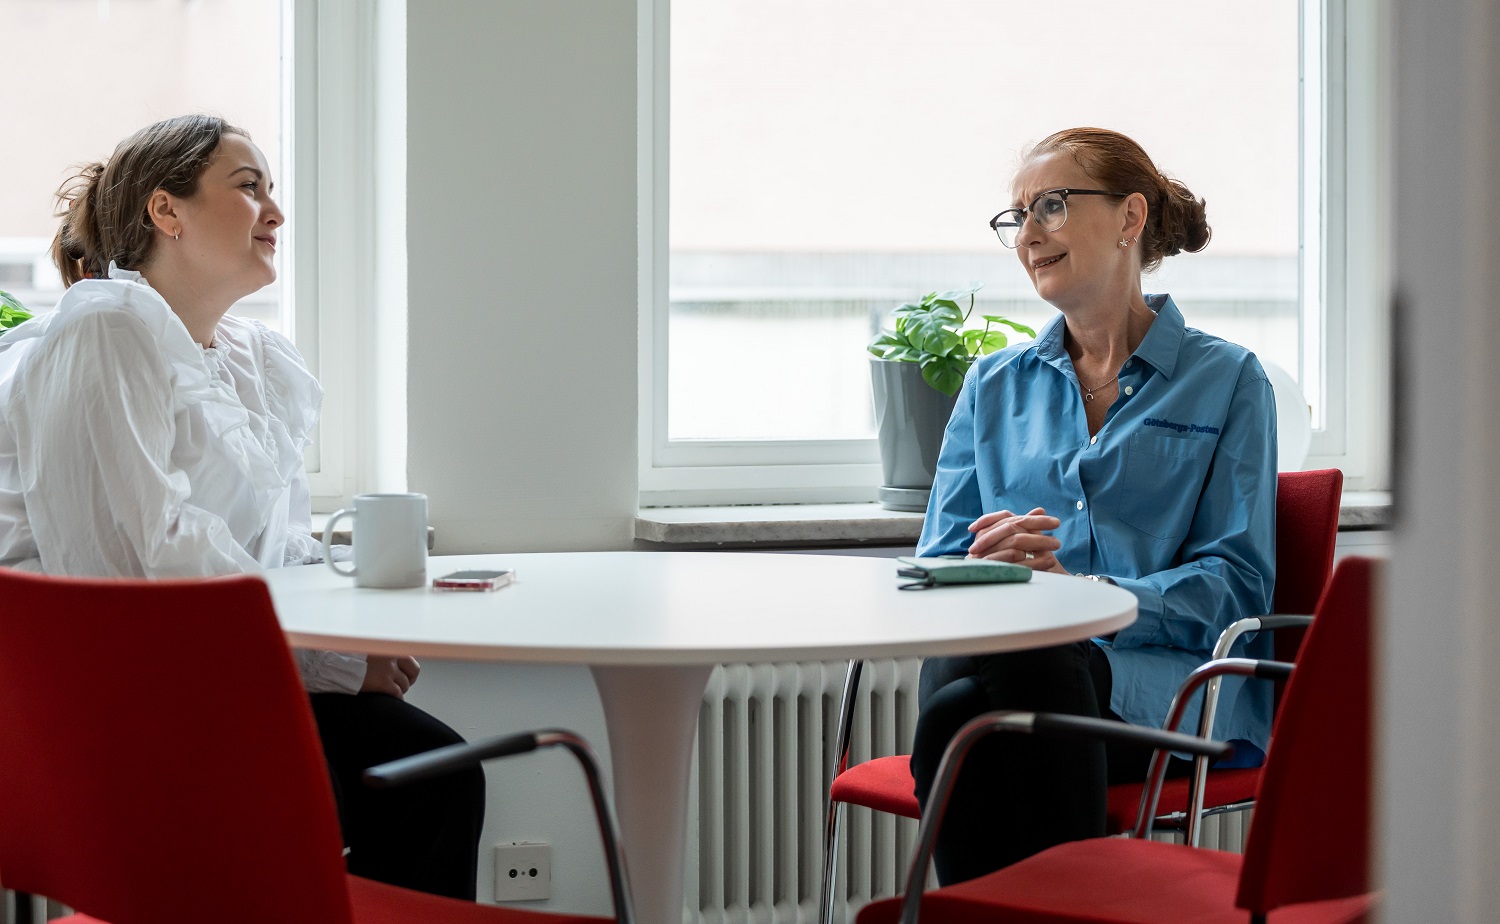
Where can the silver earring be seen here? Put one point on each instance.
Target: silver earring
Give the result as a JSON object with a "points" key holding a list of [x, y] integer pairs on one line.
{"points": [[177, 235], [1124, 243]]}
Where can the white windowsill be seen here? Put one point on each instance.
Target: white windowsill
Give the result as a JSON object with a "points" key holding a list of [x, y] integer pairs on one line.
{"points": [[861, 524], [342, 536]]}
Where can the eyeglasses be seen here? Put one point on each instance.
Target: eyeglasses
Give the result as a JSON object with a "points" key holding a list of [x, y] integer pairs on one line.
{"points": [[1049, 210]]}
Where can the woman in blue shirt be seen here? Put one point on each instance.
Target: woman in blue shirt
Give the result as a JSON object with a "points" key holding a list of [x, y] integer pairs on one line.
{"points": [[1119, 445]]}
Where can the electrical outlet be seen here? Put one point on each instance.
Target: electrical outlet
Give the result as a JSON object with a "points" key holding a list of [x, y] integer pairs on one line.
{"points": [[523, 872]]}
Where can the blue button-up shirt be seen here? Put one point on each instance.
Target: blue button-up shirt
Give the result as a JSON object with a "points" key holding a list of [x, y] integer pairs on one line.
{"points": [[1174, 497]]}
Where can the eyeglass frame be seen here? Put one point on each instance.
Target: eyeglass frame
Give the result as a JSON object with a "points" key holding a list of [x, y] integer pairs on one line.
{"points": [[1027, 212]]}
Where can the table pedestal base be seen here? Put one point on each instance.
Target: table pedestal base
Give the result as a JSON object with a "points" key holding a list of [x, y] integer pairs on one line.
{"points": [[652, 716]]}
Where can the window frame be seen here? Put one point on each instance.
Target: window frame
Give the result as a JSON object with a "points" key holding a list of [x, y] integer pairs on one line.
{"points": [[1351, 330], [1356, 284], [344, 284]]}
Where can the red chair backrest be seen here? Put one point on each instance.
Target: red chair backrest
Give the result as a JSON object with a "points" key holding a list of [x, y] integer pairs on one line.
{"points": [[1310, 837], [1307, 526], [158, 757]]}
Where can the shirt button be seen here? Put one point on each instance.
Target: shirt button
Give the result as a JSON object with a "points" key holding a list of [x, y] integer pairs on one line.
{"points": [[1129, 363], [1080, 505], [1129, 390], [1093, 440]]}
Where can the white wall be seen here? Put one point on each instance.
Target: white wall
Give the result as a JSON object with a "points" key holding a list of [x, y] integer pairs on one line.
{"points": [[521, 236], [1441, 631], [533, 797], [521, 229]]}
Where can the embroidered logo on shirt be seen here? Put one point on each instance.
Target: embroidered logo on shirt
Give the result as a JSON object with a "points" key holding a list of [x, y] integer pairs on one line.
{"points": [[1179, 427]]}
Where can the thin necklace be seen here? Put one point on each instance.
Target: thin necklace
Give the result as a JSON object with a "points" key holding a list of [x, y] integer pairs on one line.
{"points": [[1088, 393]]}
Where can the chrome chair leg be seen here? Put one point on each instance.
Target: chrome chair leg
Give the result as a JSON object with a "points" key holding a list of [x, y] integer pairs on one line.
{"points": [[835, 815], [830, 861]]}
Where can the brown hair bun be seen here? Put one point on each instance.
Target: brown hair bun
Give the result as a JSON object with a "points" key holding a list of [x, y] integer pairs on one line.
{"points": [[1176, 220], [103, 206]]}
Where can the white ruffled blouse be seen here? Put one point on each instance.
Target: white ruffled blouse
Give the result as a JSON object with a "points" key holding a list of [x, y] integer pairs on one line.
{"points": [[128, 450]]}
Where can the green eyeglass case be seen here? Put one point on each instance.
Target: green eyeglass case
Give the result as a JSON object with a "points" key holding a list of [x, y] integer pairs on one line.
{"points": [[962, 571]]}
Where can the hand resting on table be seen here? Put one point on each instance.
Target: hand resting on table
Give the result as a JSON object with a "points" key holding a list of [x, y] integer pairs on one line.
{"points": [[1011, 537]]}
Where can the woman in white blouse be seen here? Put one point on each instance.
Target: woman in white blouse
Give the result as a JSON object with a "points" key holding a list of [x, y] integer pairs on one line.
{"points": [[146, 433]]}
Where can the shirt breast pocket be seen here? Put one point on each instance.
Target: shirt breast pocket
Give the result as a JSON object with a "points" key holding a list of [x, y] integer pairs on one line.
{"points": [[1163, 479]]}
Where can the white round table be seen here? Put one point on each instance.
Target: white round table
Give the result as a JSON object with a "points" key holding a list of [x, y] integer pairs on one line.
{"points": [[651, 626]]}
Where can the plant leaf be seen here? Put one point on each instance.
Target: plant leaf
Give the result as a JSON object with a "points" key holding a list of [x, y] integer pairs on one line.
{"points": [[994, 340], [947, 310], [11, 311], [9, 317], [959, 294], [947, 376], [900, 353], [946, 343], [1018, 328], [933, 334]]}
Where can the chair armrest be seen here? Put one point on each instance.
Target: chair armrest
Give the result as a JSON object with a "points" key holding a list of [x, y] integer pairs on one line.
{"points": [[1211, 702], [1263, 669], [1042, 723], [445, 760], [1222, 647], [1078, 726], [1284, 622], [1241, 627], [1207, 673]]}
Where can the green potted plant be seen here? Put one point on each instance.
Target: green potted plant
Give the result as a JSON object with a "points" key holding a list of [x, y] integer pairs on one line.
{"points": [[917, 369], [11, 312]]}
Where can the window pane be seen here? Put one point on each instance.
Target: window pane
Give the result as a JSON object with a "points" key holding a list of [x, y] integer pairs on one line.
{"points": [[101, 69], [832, 160]]}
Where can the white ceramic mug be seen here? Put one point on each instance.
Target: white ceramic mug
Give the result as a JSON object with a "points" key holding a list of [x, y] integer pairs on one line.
{"points": [[390, 540]]}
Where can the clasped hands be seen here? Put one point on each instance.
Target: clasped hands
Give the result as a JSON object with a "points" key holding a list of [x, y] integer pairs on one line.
{"points": [[392, 676], [1017, 538]]}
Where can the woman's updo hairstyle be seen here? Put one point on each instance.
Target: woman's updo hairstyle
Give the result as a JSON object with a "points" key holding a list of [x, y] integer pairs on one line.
{"points": [[103, 207], [1175, 219]]}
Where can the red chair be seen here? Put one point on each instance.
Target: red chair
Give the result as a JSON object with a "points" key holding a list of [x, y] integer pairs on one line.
{"points": [[1307, 514], [1307, 858], [159, 764]]}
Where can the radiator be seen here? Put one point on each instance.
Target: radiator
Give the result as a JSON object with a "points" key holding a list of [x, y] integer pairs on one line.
{"points": [[755, 809], [41, 909], [755, 806]]}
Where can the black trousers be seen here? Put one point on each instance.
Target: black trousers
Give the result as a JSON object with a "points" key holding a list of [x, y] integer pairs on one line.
{"points": [[1017, 794], [424, 836]]}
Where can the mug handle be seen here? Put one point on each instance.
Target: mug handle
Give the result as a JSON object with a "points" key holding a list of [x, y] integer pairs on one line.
{"points": [[328, 542]]}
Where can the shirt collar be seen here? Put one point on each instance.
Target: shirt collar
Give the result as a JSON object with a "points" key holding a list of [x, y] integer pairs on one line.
{"points": [[125, 275], [1163, 338], [1159, 347], [1049, 342]]}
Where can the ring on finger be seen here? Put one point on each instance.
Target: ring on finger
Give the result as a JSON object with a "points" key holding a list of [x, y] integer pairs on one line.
{"points": [[1029, 556]]}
